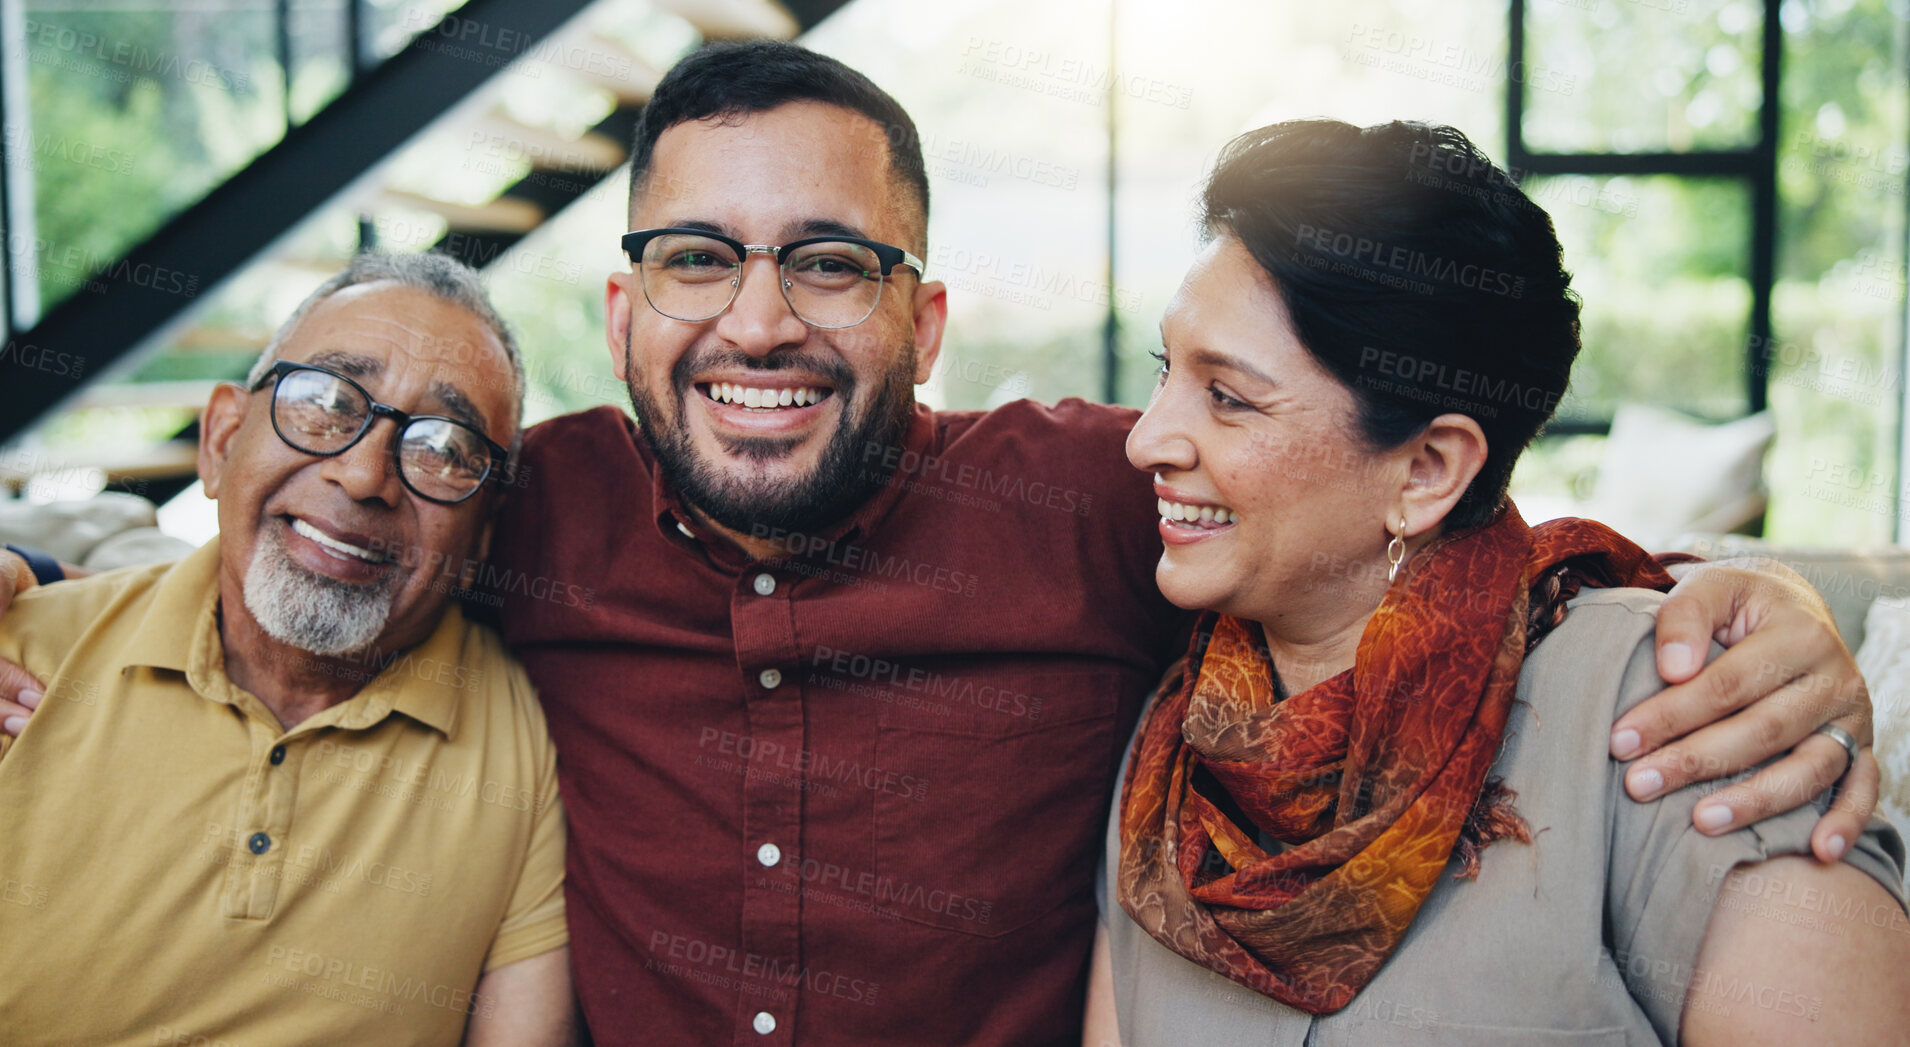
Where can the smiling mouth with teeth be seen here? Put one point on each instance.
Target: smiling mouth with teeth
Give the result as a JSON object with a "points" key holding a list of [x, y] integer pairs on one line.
{"points": [[764, 399], [333, 545], [1196, 515]]}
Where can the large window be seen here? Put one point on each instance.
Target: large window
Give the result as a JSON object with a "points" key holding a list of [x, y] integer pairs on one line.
{"points": [[1728, 181], [1744, 250], [1733, 254], [133, 111]]}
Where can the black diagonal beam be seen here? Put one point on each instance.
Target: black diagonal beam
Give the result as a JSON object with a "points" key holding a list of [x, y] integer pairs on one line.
{"points": [[552, 191], [152, 285], [138, 295]]}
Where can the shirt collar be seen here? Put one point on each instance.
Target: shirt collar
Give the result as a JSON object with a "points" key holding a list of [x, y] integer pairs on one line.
{"points": [[676, 523], [180, 632]]}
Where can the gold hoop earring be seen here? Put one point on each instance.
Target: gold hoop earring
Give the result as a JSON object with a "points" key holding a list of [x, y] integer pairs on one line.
{"points": [[1395, 552]]}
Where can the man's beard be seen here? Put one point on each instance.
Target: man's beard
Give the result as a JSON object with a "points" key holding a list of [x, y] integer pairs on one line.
{"points": [[309, 611], [807, 504]]}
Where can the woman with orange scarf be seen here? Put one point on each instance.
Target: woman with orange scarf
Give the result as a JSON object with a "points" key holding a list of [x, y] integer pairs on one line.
{"points": [[1395, 672]]}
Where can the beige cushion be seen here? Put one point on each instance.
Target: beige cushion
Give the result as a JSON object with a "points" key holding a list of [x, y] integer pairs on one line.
{"points": [[1663, 474], [1885, 662], [69, 530], [141, 545]]}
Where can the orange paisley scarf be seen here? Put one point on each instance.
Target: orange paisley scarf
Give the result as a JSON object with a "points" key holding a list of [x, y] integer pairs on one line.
{"points": [[1370, 781]]}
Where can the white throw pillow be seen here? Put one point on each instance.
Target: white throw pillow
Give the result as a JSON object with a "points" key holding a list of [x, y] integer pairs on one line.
{"points": [[1884, 660], [1663, 474]]}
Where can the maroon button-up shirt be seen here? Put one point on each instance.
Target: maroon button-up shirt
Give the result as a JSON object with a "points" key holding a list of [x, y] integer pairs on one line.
{"points": [[853, 794]]}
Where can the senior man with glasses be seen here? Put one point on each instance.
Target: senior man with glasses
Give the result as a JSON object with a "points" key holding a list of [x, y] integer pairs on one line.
{"points": [[281, 791]]}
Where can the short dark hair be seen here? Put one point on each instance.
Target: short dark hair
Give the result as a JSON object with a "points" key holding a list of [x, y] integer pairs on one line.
{"points": [[1416, 272], [736, 79]]}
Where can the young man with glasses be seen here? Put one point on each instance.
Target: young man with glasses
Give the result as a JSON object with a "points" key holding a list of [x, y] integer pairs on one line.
{"points": [[840, 719], [280, 791]]}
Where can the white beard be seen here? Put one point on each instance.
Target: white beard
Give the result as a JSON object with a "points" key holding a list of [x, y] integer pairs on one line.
{"points": [[309, 611]]}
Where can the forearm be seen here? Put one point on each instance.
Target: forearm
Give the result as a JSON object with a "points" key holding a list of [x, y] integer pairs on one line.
{"points": [[1099, 1028], [529, 1003], [20, 574]]}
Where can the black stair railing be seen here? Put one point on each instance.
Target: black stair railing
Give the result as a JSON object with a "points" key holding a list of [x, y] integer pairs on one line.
{"points": [[135, 299]]}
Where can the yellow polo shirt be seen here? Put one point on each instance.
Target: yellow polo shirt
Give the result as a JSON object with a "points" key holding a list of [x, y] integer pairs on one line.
{"points": [[176, 868]]}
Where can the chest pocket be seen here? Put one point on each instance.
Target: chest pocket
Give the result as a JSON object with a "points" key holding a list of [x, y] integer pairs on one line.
{"points": [[1016, 772]]}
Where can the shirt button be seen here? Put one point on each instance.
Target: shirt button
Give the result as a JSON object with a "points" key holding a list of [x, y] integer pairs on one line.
{"points": [[764, 1022], [770, 678], [769, 854], [278, 755], [765, 584], [259, 843]]}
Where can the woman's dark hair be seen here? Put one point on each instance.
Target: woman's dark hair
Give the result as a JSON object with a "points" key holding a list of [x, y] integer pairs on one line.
{"points": [[1416, 272], [736, 79]]}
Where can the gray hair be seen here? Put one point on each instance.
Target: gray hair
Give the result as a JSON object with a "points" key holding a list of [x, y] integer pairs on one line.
{"points": [[438, 275]]}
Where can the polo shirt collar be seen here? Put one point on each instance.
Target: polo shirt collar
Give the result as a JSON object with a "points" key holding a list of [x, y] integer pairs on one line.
{"points": [[166, 635], [676, 523], [180, 632]]}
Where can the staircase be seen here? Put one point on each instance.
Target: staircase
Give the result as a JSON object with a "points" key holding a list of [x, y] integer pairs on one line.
{"points": [[482, 128]]}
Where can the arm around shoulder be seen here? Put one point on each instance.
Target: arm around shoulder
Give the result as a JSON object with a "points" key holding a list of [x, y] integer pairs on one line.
{"points": [[1742, 938]]}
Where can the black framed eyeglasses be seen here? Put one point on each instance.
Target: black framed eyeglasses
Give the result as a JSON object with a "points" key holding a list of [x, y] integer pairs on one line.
{"points": [[830, 282], [324, 413]]}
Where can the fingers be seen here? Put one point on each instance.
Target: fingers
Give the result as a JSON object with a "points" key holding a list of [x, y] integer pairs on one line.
{"points": [[1856, 799], [20, 694], [1687, 621], [1789, 783], [1730, 745], [1734, 680], [13, 715]]}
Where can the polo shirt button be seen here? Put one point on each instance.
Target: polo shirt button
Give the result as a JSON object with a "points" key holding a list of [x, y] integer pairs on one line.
{"points": [[765, 584], [764, 1022], [259, 843], [769, 854], [278, 755], [770, 678]]}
